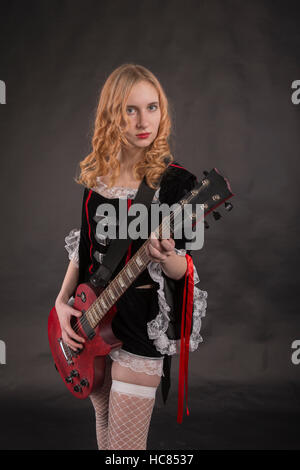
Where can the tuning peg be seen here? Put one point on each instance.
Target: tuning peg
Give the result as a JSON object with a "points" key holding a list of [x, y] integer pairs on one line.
{"points": [[217, 215], [205, 173], [206, 224], [228, 206]]}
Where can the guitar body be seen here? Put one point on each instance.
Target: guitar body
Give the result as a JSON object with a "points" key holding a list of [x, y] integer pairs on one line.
{"points": [[83, 372]]}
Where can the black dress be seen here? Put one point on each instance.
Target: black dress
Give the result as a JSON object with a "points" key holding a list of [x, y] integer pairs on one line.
{"points": [[139, 309]]}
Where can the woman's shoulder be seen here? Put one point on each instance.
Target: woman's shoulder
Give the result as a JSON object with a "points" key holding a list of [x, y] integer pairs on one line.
{"points": [[176, 181], [178, 172]]}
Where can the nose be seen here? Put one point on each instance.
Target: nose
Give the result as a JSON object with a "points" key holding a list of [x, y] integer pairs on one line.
{"points": [[142, 121]]}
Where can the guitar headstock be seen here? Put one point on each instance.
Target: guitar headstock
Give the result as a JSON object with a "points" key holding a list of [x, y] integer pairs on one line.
{"points": [[212, 191]]}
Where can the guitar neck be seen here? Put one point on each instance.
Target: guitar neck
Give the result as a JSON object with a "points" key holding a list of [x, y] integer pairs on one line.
{"points": [[135, 266], [116, 288], [211, 192]]}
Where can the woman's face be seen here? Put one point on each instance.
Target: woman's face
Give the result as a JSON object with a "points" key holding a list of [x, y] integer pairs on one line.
{"points": [[143, 111]]}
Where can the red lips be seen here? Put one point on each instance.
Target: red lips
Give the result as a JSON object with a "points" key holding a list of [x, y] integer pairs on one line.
{"points": [[143, 136]]}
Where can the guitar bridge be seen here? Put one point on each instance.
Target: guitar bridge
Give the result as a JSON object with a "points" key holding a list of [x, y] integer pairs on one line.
{"points": [[65, 351]]}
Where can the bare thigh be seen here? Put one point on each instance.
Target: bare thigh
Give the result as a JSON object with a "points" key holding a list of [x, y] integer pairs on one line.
{"points": [[125, 374]]}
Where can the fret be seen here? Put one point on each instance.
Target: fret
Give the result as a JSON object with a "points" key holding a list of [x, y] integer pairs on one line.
{"points": [[129, 272], [126, 277], [102, 302], [93, 315], [108, 293], [139, 261], [119, 288], [114, 286], [111, 294], [96, 319], [99, 314], [107, 299], [137, 267], [133, 267], [121, 281]]}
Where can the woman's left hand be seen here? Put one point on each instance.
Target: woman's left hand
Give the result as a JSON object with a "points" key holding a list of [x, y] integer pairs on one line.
{"points": [[158, 250]]}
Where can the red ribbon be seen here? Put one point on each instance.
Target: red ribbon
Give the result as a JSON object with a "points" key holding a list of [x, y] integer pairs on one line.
{"points": [[130, 246], [186, 322]]}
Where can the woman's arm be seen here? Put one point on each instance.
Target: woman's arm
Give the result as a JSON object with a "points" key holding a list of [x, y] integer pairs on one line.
{"points": [[69, 284], [174, 266], [162, 251]]}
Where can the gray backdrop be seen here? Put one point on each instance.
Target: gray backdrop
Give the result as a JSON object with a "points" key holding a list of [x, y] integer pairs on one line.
{"points": [[227, 68]]}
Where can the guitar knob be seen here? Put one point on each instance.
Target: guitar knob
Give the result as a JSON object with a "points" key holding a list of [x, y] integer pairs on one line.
{"points": [[228, 206], [217, 215], [206, 224], [82, 296], [84, 383], [77, 388], [69, 380], [74, 373]]}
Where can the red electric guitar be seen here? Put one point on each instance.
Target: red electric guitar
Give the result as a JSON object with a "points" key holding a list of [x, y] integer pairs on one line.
{"points": [[83, 371]]}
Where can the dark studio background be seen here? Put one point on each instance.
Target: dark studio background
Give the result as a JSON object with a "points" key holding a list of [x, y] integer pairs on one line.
{"points": [[227, 68]]}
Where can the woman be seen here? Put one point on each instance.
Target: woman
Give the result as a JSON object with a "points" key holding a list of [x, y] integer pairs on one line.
{"points": [[148, 319]]}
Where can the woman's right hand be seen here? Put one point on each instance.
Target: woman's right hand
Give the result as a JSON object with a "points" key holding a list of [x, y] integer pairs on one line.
{"points": [[64, 312]]}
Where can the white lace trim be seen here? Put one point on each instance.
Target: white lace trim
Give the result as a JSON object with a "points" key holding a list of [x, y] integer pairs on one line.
{"points": [[158, 326], [119, 192], [148, 365], [72, 245], [115, 192]]}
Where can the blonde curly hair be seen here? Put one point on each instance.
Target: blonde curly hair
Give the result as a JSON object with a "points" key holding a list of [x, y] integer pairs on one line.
{"points": [[109, 133]]}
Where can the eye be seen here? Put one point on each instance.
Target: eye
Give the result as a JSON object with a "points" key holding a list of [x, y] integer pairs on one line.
{"points": [[129, 109]]}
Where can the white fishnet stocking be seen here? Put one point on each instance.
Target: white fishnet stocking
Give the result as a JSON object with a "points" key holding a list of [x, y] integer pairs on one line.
{"points": [[130, 411], [100, 401]]}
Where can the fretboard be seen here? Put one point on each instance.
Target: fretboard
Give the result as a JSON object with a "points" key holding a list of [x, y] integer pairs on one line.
{"points": [[118, 286], [127, 275]]}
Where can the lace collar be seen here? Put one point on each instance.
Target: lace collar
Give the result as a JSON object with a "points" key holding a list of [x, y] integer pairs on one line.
{"points": [[114, 192]]}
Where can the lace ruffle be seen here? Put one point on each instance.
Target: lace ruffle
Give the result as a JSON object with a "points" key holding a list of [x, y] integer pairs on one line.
{"points": [[72, 245], [148, 365], [116, 192], [158, 326], [119, 192]]}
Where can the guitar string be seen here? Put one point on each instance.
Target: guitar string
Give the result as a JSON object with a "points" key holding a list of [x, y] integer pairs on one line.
{"points": [[81, 322], [84, 321], [163, 225]]}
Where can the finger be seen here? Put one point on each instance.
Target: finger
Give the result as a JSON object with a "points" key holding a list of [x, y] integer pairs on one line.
{"points": [[155, 243], [167, 245], [75, 313], [74, 346], [154, 252], [156, 255], [164, 247], [73, 335]]}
